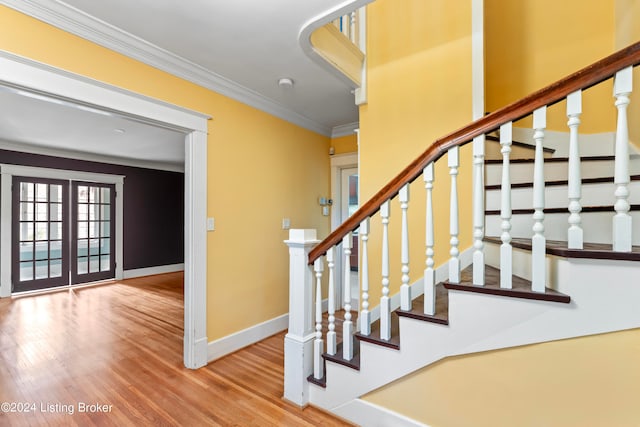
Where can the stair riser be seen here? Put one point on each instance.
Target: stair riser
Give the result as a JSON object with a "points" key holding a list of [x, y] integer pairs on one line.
{"points": [[597, 226], [523, 172], [599, 194]]}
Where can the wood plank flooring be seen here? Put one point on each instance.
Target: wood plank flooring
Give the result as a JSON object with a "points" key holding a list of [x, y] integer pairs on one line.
{"points": [[111, 355]]}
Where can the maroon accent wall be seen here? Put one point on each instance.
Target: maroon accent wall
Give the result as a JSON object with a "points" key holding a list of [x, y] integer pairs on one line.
{"points": [[153, 207]]}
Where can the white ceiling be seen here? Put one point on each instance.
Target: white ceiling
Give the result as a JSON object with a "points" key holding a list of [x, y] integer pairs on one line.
{"points": [[238, 48]]}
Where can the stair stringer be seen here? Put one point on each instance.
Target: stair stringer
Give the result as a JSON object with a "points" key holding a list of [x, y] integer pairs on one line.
{"points": [[479, 322]]}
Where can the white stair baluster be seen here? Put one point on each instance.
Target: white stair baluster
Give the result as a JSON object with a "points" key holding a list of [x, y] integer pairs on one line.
{"points": [[352, 27], [506, 251], [538, 241], [385, 303], [405, 290], [454, 261], [347, 326], [478, 210], [575, 234], [331, 334], [622, 220], [318, 345], [365, 317], [429, 272]]}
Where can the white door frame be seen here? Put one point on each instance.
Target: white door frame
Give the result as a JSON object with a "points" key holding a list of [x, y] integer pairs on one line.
{"points": [[22, 74], [338, 163]]}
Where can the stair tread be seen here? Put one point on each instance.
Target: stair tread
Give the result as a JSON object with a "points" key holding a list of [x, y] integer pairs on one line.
{"points": [[374, 336], [354, 363], [584, 181], [554, 160], [585, 209], [560, 248], [441, 315], [521, 287]]}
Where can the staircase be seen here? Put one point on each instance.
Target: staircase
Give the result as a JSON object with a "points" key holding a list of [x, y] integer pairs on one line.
{"points": [[555, 255]]}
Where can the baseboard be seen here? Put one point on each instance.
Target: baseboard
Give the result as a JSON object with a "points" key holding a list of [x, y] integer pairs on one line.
{"points": [[226, 345], [367, 414], [150, 271]]}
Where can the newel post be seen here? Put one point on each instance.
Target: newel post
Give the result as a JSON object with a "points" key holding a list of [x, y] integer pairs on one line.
{"points": [[298, 343]]}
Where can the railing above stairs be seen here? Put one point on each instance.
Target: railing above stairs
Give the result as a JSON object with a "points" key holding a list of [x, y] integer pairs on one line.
{"points": [[301, 361]]}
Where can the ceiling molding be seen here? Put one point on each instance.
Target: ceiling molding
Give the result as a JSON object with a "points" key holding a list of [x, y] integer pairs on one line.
{"points": [[76, 22], [344, 130], [89, 157]]}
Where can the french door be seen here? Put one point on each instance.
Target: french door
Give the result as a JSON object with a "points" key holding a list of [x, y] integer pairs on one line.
{"points": [[63, 233]]}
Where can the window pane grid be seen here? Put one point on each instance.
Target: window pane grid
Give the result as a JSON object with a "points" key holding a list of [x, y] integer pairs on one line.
{"points": [[94, 229], [40, 231]]}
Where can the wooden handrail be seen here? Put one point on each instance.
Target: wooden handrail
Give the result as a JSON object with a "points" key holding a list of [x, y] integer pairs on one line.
{"points": [[556, 92]]}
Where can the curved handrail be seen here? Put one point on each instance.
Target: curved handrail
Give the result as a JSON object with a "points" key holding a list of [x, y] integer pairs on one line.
{"points": [[304, 37], [556, 92]]}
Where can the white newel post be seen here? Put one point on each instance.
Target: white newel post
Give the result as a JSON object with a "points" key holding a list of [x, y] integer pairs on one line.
{"points": [[478, 210], [622, 220], [538, 241], [331, 334], [298, 343], [575, 237], [506, 251]]}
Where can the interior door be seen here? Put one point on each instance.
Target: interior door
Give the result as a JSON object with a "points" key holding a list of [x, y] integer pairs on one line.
{"points": [[40, 243], [93, 232]]}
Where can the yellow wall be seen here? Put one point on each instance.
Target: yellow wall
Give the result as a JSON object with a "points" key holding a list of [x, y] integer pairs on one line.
{"points": [[261, 169], [580, 382], [590, 381], [532, 43], [345, 144], [628, 32], [419, 88]]}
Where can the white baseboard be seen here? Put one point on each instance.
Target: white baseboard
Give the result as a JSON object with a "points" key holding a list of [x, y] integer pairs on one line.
{"points": [[150, 271], [367, 414], [230, 343]]}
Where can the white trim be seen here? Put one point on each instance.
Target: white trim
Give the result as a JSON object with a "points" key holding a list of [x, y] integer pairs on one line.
{"points": [[43, 80], [234, 342], [9, 171], [368, 414], [90, 157], [150, 271], [344, 130], [477, 58], [90, 28]]}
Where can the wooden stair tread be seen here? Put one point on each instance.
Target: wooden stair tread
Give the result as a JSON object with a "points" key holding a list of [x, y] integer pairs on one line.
{"points": [[354, 363], [559, 248], [584, 209], [374, 336], [585, 181], [441, 315], [521, 287], [554, 160]]}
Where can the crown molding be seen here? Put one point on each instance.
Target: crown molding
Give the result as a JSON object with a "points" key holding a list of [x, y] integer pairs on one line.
{"points": [[76, 22], [344, 130]]}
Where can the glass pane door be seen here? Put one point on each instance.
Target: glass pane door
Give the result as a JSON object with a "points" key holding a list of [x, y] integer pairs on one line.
{"points": [[93, 232], [40, 243]]}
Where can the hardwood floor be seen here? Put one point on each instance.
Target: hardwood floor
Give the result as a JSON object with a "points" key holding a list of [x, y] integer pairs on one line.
{"points": [[112, 355]]}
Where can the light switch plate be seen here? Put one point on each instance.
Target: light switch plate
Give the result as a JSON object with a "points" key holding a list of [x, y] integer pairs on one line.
{"points": [[211, 224], [286, 223]]}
